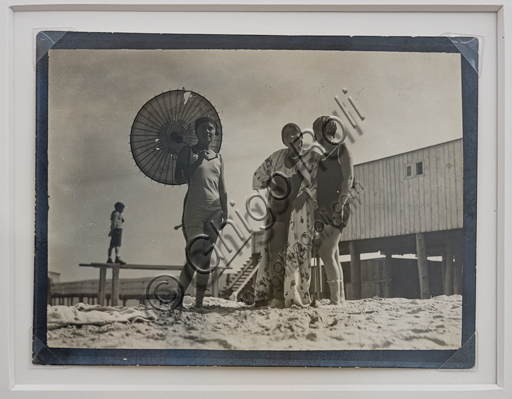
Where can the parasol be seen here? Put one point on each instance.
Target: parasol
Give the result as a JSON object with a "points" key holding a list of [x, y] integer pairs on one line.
{"points": [[163, 126]]}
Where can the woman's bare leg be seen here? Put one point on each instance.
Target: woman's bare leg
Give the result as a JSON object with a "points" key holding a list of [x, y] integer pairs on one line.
{"points": [[329, 253], [202, 278]]}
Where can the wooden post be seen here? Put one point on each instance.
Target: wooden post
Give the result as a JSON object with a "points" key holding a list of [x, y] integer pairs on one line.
{"points": [[355, 270], [103, 283], [321, 292], [387, 273], [215, 283], [457, 272], [421, 252], [448, 279], [317, 289], [115, 285], [443, 269]]}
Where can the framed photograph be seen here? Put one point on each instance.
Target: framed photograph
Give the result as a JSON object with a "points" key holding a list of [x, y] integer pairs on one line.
{"points": [[75, 107], [310, 200]]}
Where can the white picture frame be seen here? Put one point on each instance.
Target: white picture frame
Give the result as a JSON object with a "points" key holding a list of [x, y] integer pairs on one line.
{"points": [[22, 379]]}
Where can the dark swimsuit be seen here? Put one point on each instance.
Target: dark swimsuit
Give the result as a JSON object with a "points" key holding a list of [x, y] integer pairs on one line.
{"points": [[329, 179]]}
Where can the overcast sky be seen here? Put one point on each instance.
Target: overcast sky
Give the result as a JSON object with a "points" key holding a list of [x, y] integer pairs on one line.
{"points": [[410, 101]]}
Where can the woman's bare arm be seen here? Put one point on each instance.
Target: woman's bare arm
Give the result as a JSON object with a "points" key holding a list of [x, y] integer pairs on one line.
{"points": [[183, 169], [347, 170], [222, 191]]}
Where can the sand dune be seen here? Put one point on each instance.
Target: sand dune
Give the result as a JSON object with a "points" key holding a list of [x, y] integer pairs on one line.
{"points": [[375, 323]]}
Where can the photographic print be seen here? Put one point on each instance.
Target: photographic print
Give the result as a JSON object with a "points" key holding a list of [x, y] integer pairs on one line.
{"points": [[255, 200]]}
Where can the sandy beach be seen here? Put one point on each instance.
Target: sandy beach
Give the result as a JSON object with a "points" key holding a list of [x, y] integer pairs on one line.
{"points": [[374, 323]]}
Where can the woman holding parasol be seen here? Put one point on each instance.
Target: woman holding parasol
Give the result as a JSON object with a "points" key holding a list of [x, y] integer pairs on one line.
{"points": [[176, 139], [205, 203]]}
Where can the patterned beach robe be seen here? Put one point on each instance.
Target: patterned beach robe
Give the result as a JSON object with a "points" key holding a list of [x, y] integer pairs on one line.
{"points": [[301, 227], [301, 233]]}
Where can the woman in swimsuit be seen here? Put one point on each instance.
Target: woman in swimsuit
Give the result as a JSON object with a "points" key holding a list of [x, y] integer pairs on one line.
{"points": [[205, 204]]}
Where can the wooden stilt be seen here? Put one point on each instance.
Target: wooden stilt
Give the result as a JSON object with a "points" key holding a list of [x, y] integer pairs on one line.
{"points": [[322, 279], [421, 252], [115, 286], [448, 281], [443, 269], [355, 270], [103, 283], [387, 274], [215, 283], [457, 272], [315, 270]]}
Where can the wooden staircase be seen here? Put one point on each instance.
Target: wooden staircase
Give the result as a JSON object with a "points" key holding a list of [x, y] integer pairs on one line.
{"points": [[242, 278]]}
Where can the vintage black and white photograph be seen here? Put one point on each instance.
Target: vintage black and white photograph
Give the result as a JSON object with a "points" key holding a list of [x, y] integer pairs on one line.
{"points": [[236, 199]]}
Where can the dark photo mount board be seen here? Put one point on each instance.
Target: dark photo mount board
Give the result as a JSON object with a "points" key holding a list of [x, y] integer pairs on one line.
{"points": [[445, 359]]}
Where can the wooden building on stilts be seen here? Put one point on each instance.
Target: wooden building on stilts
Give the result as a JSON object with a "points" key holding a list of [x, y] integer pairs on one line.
{"points": [[410, 203]]}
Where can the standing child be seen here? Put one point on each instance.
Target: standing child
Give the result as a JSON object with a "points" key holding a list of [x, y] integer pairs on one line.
{"points": [[116, 232]]}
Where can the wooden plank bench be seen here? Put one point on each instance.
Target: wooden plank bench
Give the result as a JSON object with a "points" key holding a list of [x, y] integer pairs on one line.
{"points": [[116, 267]]}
